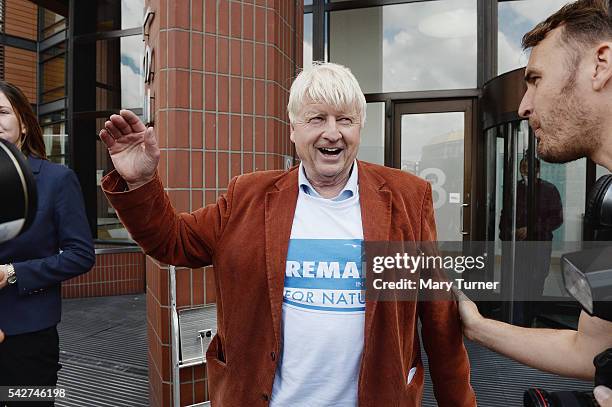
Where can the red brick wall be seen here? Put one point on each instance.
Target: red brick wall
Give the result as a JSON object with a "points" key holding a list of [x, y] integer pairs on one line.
{"points": [[222, 72], [113, 274]]}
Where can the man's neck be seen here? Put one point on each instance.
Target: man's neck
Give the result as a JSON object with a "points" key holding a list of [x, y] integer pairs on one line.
{"points": [[329, 191], [603, 156], [329, 188]]}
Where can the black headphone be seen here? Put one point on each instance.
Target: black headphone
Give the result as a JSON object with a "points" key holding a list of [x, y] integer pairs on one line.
{"points": [[599, 208]]}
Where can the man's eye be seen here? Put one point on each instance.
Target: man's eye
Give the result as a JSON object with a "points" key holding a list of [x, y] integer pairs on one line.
{"points": [[345, 120], [315, 120]]}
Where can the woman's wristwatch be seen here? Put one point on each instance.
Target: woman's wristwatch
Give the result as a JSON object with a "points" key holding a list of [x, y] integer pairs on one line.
{"points": [[11, 277]]}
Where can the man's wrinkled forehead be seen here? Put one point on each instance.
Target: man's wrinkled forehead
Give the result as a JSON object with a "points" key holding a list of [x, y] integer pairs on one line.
{"points": [[310, 108]]}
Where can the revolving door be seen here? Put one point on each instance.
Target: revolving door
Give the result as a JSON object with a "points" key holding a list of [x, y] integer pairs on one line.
{"points": [[527, 200]]}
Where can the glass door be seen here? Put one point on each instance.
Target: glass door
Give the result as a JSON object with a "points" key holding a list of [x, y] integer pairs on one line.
{"points": [[433, 141], [534, 213]]}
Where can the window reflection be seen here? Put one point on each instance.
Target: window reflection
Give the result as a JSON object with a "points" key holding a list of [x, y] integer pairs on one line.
{"points": [[432, 148], [55, 137], [53, 74], [119, 14], [118, 73], [408, 47], [515, 19], [307, 59], [109, 226], [372, 147]]}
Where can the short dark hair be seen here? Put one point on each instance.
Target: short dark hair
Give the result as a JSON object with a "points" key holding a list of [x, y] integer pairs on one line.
{"points": [[32, 141], [583, 22], [525, 161]]}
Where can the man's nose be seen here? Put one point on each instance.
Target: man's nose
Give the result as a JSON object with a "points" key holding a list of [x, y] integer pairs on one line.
{"points": [[332, 132], [526, 107]]}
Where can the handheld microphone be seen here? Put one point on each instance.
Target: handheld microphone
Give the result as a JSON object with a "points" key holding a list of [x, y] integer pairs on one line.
{"points": [[18, 191]]}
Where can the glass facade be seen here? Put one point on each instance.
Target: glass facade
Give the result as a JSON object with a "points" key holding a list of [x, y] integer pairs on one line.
{"points": [[515, 18], [118, 73], [408, 46], [54, 73], [372, 146], [409, 56], [307, 50], [432, 147], [54, 134]]}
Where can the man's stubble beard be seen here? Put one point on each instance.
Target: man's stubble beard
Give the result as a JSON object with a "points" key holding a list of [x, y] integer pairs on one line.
{"points": [[573, 129]]}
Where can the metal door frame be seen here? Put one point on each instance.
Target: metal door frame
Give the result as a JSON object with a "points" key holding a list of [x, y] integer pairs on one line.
{"points": [[469, 107]]}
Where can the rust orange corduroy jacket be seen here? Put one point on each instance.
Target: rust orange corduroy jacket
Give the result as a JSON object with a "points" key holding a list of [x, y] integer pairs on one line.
{"points": [[245, 236]]}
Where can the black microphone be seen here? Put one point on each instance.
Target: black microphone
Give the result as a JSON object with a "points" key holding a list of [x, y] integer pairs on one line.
{"points": [[18, 199]]}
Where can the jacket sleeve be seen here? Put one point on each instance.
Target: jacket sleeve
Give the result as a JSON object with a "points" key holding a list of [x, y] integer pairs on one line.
{"points": [[185, 239], [76, 255], [442, 335]]}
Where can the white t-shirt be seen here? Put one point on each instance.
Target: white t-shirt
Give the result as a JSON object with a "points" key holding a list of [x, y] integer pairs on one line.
{"points": [[324, 302]]}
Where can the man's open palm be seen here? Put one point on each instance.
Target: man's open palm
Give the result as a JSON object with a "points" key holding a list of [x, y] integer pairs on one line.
{"points": [[132, 147]]}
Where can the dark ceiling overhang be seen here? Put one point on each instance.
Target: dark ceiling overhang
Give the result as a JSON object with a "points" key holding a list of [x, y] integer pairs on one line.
{"points": [[57, 6]]}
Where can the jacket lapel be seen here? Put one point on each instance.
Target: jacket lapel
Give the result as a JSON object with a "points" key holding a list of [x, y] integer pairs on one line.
{"points": [[375, 201], [279, 212]]}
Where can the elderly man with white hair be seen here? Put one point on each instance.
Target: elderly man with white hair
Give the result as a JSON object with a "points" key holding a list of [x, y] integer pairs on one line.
{"points": [[294, 327]]}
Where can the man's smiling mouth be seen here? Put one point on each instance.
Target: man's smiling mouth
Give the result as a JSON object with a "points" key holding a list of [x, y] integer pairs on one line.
{"points": [[330, 151]]}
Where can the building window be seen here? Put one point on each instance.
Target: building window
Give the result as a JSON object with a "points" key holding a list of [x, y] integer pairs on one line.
{"points": [[55, 137], [117, 15], [515, 18], [53, 76], [408, 46], [119, 82], [307, 47]]}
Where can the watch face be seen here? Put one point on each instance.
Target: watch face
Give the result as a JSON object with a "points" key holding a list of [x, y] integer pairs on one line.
{"points": [[12, 279]]}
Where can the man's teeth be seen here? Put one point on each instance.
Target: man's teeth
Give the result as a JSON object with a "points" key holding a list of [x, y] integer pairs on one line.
{"points": [[330, 150]]}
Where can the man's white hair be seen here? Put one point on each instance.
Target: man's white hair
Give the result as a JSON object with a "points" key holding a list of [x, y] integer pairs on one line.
{"points": [[330, 84]]}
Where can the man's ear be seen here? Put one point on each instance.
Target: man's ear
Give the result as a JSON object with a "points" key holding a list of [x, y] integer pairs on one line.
{"points": [[292, 132], [603, 67]]}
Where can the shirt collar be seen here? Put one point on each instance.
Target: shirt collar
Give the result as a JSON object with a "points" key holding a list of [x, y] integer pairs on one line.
{"points": [[349, 190]]}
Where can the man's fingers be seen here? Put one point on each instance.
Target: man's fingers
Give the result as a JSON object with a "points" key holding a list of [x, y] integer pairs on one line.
{"points": [[459, 295], [106, 138], [603, 396], [112, 130], [121, 124], [151, 143], [149, 137], [134, 121]]}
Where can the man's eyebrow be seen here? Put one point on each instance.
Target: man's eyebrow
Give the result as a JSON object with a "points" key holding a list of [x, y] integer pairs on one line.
{"points": [[530, 75], [313, 113]]}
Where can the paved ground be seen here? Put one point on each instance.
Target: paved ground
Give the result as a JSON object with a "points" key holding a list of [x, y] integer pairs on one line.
{"points": [[103, 344], [104, 356]]}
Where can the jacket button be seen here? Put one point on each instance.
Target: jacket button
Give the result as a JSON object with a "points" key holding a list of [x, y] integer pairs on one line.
{"points": [[273, 356], [265, 397]]}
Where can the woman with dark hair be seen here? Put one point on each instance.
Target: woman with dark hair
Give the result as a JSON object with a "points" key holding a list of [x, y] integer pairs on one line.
{"points": [[57, 246]]}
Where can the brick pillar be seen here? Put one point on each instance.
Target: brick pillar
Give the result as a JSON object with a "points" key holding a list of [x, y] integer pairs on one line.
{"points": [[222, 71]]}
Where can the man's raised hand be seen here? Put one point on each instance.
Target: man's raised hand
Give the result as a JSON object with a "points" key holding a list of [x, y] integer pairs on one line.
{"points": [[132, 147]]}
